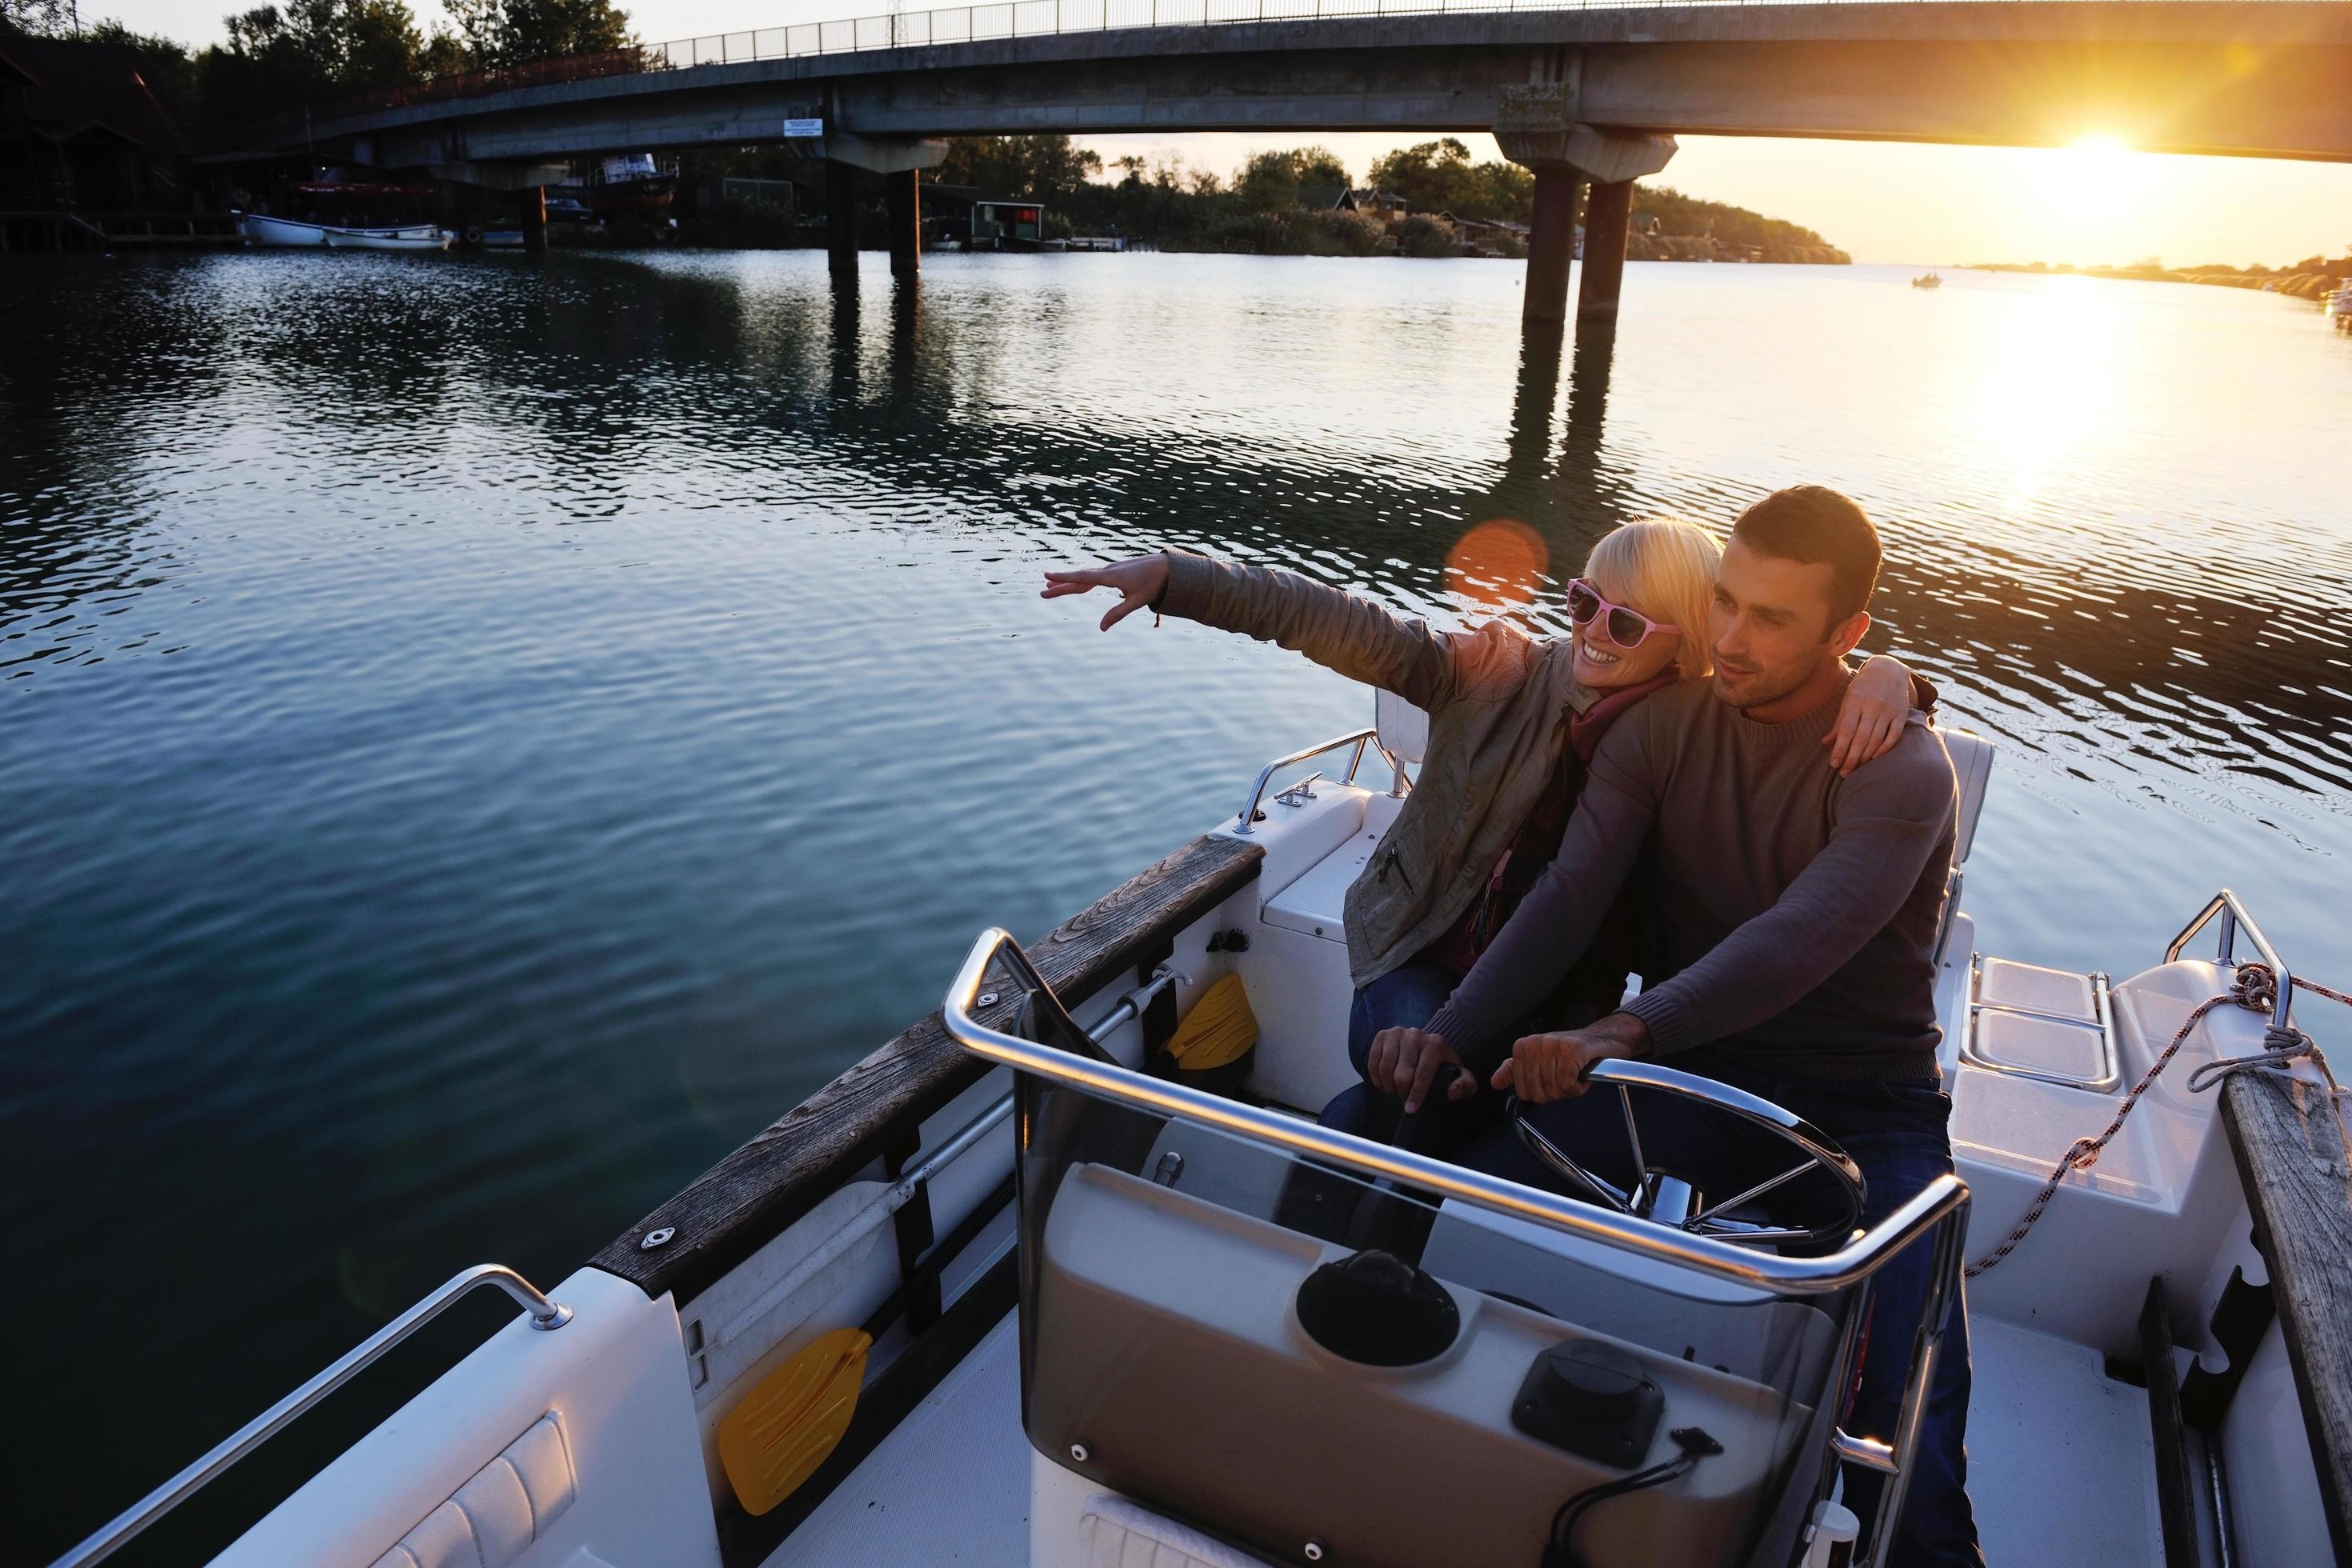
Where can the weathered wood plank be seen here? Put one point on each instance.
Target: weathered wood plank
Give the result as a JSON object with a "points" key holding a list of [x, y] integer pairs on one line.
{"points": [[771, 1181], [2291, 1160]]}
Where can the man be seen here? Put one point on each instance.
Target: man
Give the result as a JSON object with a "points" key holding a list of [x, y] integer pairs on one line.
{"points": [[1794, 914]]}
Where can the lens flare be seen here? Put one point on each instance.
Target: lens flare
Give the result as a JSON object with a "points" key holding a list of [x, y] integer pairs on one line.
{"points": [[1499, 562]]}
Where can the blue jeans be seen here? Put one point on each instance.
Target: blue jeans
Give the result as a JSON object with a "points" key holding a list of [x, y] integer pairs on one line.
{"points": [[1404, 998], [1896, 1132]]}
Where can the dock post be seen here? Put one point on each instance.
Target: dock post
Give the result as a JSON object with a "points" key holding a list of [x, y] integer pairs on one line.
{"points": [[1551, 245], [534, 221], [1608, 215], [841, 216], [902, 195]]}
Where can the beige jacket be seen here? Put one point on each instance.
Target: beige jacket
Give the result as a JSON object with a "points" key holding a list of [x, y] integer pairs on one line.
{"points": [[1497, 699]]}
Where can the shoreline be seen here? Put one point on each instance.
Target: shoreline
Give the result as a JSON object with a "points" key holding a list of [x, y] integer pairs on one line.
{"points": [[2314, 286]]}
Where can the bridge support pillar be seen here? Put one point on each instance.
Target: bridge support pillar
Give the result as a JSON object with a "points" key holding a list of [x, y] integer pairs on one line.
{"points": [[1608, 215], [534, 221], [841, 218], [902, 195], [1538, 134], [1551, 245]]}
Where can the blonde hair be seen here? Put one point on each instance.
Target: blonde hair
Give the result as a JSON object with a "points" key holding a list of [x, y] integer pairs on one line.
{"points": [[1666, 568]]}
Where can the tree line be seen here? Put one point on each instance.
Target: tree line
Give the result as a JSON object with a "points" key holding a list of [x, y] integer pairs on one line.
{"points": [[297, 53]]}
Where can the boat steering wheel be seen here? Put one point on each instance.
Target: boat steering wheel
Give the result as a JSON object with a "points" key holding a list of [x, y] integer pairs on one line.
{"points": [[1663, 1197]]}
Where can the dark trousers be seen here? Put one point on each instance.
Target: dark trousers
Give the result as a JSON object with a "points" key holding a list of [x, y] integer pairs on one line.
{"points": [[1897, 1133], [1404, 998]]}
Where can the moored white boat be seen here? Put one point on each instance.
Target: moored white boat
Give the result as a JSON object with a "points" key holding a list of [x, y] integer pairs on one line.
{"points": [[262, 229], [998, 1294], [424, 238]]}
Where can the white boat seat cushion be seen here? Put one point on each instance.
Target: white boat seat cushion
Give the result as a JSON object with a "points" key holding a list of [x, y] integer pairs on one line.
{"points": [[1119, 1534], [492, 1519], [1404, 729], [1971, 757]]}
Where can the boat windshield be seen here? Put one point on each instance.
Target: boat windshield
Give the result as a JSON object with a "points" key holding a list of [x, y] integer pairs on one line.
{"points": [[1254, 1341]]}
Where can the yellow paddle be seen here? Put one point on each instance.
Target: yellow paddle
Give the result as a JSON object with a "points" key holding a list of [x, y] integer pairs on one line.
{"points": [[786, 1426]]}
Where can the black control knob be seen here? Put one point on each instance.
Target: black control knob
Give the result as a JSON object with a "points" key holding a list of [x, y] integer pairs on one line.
{"points": [[1592, 1383], [1592, 1399]]}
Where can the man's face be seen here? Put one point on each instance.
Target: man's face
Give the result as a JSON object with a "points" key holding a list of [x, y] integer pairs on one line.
{"points": [[1770, 621]]}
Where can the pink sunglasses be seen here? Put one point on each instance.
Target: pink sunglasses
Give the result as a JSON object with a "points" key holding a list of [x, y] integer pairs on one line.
{"points": [[1627, 628]]}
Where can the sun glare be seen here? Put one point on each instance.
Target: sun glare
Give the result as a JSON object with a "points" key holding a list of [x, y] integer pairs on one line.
{"points": [[2090, 197]]}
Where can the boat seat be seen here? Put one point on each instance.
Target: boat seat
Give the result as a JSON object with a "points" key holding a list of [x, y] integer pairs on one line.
{"points": [[1120, 1534], [1972, 756], [1313, 903], [1404, 729]]}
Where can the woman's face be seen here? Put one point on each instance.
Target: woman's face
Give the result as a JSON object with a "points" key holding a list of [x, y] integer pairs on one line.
{"points": [[1601, 664]]}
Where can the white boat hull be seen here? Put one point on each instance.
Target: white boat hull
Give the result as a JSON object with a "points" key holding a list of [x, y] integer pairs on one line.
{"points": [[279, 232]]}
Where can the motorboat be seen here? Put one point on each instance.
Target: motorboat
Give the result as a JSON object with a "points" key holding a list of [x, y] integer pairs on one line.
{"points": [[1930, 280], [2340, 306], [623, 186], [1031, 1284], [342, 215]]}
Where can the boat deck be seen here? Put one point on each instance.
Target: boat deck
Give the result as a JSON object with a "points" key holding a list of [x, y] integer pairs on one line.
{"points": [[951, 1484], [2060, 1461]]}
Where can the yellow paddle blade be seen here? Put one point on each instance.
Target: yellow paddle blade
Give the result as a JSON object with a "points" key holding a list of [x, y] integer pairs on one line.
{"points": [[1218, 1029], [783, 1430]]}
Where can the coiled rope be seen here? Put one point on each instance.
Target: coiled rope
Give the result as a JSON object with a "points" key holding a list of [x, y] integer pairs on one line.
{"points": [[2255, 988]]}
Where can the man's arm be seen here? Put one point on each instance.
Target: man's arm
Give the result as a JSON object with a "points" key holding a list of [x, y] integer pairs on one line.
{"points": [[1355, 637], [1556, 922], [1890, 818]]}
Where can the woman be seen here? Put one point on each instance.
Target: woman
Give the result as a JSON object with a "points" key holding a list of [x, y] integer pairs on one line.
{"points": [[1513, 722]]}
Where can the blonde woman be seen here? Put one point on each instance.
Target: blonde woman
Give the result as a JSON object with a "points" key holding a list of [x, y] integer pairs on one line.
{"points": [[1513, 722]]}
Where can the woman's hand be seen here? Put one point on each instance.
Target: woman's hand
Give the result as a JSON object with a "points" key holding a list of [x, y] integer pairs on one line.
{"points": [[1405, 1063], [1870, 718], [1137, 581]]}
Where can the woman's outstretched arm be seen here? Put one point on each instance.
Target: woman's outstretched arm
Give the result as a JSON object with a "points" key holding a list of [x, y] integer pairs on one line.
{"points": [[1341, 631]]}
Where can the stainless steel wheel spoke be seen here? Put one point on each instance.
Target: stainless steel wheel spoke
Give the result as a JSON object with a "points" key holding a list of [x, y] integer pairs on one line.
{"points": [[1632, 1134], [1758, 1190]]}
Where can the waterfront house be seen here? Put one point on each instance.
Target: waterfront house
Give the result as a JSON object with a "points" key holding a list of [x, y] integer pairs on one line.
{"points": [[89, 155], [966, 217]]}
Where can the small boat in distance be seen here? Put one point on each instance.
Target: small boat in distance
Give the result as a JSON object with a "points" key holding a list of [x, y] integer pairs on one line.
{"points": [[1930, 281], [2339, 305]]}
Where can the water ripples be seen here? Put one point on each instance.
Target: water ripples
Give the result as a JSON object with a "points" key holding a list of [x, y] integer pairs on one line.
{"points": [[483, 737]]}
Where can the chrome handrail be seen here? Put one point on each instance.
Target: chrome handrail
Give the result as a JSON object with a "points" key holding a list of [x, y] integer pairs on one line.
{"points": [[2233, 916], [1359, 738], [544, 1314], [1946, 1196]]}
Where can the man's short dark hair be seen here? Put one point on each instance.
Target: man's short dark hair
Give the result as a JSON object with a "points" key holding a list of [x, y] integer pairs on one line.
{"points": [[1817, 526]]}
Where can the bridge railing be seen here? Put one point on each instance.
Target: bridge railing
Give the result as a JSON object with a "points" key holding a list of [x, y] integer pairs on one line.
{"points": [[1029, 18]]}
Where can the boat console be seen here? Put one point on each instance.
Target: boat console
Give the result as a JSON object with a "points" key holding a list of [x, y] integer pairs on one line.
{"points": [[1427, 1364]]}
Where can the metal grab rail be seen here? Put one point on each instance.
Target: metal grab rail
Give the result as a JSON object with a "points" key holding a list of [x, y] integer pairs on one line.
{"points": [[1942, 1206], [544, 1314], [2234, 917], [1942, 1198], [1359, 738]]}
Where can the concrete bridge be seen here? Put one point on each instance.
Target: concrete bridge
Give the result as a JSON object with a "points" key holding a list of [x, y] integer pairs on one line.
{"points": [[1591, 94]]}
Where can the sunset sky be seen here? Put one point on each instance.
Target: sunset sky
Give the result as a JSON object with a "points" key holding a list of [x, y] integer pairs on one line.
{"points": [[1883, 202]]}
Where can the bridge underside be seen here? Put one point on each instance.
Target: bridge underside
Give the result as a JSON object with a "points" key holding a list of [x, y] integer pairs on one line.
{"points": [[2252, 78]]}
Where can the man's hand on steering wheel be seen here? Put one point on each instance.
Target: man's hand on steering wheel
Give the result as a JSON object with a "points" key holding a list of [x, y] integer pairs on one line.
{"points": [[1405, 1062], [1545, 1067]]}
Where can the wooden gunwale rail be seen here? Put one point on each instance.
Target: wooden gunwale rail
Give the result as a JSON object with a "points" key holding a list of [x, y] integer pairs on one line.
{"points": [[2293, 1162], [788, 1167]]}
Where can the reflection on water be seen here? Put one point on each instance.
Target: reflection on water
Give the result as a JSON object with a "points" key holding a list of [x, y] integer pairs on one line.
{"points": [[482, 737]]}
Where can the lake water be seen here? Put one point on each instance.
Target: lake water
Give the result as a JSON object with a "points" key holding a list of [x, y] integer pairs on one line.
{"points": [[480, 738]]}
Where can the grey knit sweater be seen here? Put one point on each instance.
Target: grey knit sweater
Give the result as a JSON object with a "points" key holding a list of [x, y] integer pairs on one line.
{"points": [[1796, 911]]}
